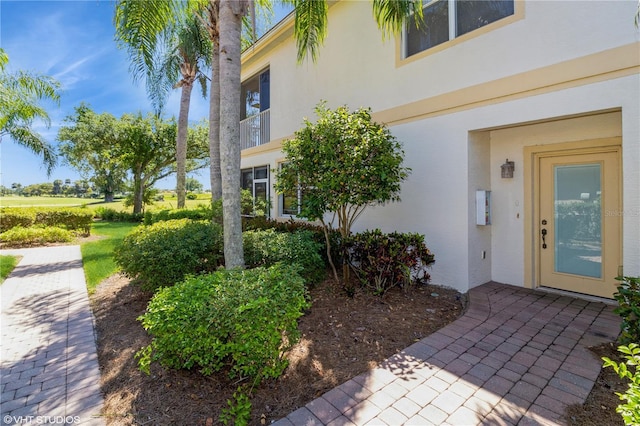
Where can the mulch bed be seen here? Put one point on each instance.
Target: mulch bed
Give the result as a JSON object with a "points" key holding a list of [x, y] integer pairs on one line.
{"points": [[341, 337]]}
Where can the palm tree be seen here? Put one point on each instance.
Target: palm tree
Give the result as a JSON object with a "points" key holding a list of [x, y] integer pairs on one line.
{"points": [[211, 13], [176, 60], [225, 23], [20, 97], [309, 29], [230, 24]]}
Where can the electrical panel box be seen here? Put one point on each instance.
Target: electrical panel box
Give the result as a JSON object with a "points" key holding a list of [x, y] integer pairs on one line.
{"points": [[483, 207]]}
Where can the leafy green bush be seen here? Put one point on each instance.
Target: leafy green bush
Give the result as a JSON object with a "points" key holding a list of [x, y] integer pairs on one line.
{"points": [[630, 411], [382, 261], [243, 319], [74, 219], [13, 217], [19, 236], [112, 215], [265, 248], [69, 218], [201, 212], [238, 411], [192, 196], [162, 254], [628, 297], [261, 223]]}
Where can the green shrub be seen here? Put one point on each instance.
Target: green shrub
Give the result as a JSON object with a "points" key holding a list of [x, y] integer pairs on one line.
{"points": [[192, 196], [13, 217], [201, 212], [265, 248], [261, 223], [74, 218], [70, 218], [111, 215], [238, 411], [19, 236], [630, 411], [162, 254], [242, 319], [382, 261], [628, 297]]}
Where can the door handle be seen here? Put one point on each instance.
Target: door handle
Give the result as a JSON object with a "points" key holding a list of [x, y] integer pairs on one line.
{"points": [[544, 234]]}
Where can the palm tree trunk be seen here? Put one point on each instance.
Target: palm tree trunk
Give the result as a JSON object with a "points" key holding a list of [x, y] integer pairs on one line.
{"points": [[181, 142], [214, 124], [231, 13]]}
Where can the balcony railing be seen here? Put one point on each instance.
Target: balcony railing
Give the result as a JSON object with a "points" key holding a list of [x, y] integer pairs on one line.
{"points": [[254, 131]]}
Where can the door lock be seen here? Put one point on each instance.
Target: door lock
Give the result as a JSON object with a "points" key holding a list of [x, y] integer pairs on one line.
{"points": [[544, 234]]}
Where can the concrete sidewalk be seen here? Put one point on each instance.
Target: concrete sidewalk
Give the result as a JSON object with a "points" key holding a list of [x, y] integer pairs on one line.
{"points": [[48, 363], [516, 357]]}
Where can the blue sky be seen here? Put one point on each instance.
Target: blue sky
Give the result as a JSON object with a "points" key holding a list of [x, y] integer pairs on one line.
{"points": [[73, 41]]}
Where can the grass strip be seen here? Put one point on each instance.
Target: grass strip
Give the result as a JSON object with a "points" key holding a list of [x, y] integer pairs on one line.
{"points": [[97, 256], [7, 263]]}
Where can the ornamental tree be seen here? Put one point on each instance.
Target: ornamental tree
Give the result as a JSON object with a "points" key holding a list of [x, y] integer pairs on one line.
{"points": [[341, 164]]}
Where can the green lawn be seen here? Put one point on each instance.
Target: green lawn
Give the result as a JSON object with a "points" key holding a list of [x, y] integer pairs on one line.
{"points": [[97, 255], [170, 202], [7, 263], [16, 201]]}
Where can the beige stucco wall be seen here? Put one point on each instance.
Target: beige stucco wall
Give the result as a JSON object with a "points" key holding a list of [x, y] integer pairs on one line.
{"points": [[460, 112]]}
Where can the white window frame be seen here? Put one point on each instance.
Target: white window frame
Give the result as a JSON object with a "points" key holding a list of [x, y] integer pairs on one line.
{"points": [[260, 180], [452, 4]]}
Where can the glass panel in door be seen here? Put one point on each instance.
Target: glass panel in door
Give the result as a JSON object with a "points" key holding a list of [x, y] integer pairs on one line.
{"points": [[578, 219]]}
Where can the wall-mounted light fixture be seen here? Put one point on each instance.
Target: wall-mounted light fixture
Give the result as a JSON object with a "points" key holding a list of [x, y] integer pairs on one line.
{"points": [[507, 169]]}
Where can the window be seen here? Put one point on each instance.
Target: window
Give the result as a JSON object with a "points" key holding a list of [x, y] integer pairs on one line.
{"points": [[445, 20], [255, 117], [255, 95], [289, 202], [256, 180]]}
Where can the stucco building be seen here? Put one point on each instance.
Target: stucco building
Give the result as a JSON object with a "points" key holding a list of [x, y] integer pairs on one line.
{"points": [[547, 90]]}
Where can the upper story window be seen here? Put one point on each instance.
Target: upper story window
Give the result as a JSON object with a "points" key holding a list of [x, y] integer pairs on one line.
{"points": [[445, 20], [255, 95], [255, 118]]}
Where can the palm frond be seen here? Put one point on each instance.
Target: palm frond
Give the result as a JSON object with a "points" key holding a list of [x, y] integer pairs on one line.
{"points": [[25, 136], [392, 14], [140, 25], [4, 59], [310, 27]]}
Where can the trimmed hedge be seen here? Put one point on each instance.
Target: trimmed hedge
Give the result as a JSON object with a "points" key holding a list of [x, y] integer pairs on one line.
{"points": [[243, 319], [77, 219], [162, 254], [202, 212], [112, 215], [291, 226], [267, 247], [20, 236]]}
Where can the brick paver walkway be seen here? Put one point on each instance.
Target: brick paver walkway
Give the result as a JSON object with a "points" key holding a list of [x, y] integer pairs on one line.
{"points": [[516, 357], [48, 362]]}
